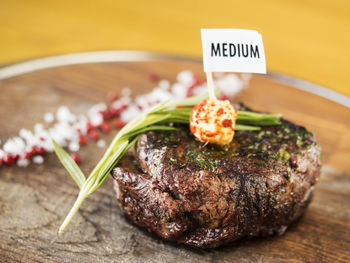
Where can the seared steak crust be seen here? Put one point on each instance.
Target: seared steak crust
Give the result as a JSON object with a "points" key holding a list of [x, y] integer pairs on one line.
{"points": [[205, 196]]}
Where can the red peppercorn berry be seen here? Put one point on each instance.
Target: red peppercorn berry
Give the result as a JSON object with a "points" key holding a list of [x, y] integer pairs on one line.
{"points": [[196, 81], [40, 150], [106, 127], [94, 135], [118, 123], [116, 111], [8, 159], [75, 157], [27, 155], [89, 126], [152, 77], [82, 139], [34, 150], [189, 90], [106, 115]]}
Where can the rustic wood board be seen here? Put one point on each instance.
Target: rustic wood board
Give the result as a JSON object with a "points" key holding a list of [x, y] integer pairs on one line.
{"points": [[34, 200]]}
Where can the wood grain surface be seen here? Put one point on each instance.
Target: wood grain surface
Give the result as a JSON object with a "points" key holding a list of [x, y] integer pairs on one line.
{"points": [[35, 200]]}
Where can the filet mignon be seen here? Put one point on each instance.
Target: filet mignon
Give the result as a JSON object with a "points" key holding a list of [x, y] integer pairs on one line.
{"points": [[205, 196]]}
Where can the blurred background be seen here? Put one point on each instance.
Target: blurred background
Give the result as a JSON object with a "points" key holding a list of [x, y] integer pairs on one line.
{"points": [[303, 38]]}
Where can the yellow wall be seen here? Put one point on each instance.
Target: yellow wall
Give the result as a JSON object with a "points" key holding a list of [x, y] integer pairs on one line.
{"points": [[303, 38]]}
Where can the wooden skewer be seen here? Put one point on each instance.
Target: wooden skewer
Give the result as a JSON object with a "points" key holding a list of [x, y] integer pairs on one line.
{"points": [[210, 84]]}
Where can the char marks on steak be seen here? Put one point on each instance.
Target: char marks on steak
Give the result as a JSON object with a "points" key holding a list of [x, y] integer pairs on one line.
{"points": [[205, 196]]}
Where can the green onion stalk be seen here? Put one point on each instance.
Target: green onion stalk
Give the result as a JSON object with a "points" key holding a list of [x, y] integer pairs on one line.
{"points": [[157, 118]]}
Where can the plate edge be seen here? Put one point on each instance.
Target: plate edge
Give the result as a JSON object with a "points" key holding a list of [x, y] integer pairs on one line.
{"points": [[16, 69]]}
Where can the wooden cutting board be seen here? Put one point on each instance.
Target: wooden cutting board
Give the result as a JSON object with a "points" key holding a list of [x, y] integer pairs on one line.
{"points": [[35, 200]]}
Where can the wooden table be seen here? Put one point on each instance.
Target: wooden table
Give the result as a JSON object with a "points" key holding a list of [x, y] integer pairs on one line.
{"points": [[34, 200]]}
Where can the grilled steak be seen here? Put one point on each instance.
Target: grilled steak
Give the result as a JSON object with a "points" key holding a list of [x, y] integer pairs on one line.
{"points": [[205, 196]]}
